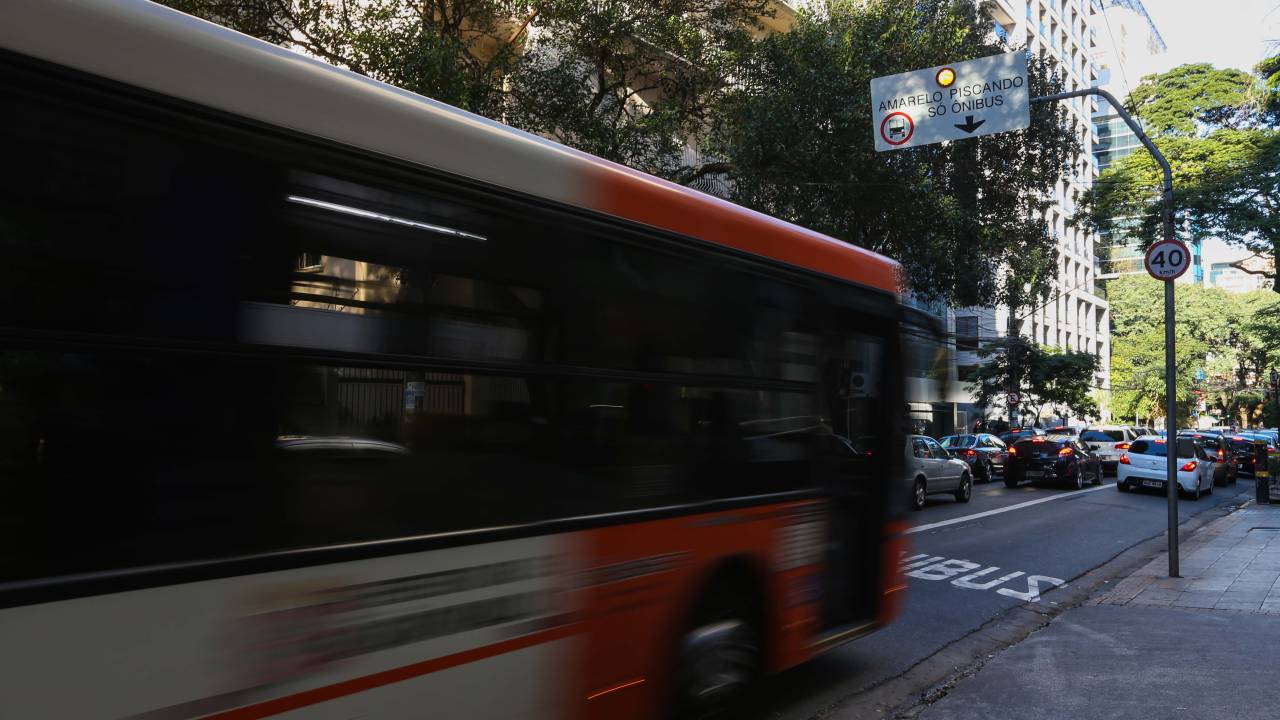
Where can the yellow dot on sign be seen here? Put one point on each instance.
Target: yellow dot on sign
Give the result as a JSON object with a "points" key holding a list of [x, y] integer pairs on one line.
{"points": [[946, 76]]}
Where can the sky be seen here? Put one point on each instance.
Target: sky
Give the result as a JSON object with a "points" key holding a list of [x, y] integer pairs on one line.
{"points": [[1227, 33]]}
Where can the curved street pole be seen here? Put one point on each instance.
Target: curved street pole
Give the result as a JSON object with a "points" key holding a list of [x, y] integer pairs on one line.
{"points": [[1170, 370]]}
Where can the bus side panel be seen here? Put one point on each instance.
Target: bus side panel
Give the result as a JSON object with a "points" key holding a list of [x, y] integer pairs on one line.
{"points": [[644, 582], [403, 636]]}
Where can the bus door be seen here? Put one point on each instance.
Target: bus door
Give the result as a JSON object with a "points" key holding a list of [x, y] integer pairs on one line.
{"points": [[857, 471]]}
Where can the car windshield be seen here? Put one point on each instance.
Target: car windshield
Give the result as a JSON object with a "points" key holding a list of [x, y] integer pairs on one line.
{"points": [[954, 441], [1105, 436], [1160, 448]]}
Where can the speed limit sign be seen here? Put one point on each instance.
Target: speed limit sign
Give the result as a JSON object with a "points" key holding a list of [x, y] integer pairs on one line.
{"points": [[1167, 260]]}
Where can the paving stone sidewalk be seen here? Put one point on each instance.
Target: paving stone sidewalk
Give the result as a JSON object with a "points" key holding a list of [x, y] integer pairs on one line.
{"points": [[1232, 563]]}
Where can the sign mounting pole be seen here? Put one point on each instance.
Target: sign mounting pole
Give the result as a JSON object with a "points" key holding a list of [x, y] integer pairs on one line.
{"points": [[991, 95], [1170, 369]]}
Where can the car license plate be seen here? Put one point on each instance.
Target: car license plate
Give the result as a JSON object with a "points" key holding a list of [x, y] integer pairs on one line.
{"points": [[1035, 473], [1152, 483]]}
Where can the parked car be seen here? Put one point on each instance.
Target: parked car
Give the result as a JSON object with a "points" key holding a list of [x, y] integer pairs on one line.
{"points": [[932, 470], [1218, 448], [1056, 459], [1108, 442], [1144, 466], [985, 453], [1017, 434]]}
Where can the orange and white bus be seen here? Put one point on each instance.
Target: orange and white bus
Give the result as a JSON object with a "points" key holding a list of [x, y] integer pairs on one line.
{"points": [[320, 399]]}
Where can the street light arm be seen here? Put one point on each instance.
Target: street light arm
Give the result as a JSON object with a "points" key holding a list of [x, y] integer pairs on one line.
{"points": [[1170, 370]]}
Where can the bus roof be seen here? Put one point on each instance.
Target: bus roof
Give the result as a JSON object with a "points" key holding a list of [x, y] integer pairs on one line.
{"points": [[149, 46]]}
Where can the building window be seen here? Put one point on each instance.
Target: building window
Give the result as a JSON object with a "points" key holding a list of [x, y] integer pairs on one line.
{"points": [[967, 333]]}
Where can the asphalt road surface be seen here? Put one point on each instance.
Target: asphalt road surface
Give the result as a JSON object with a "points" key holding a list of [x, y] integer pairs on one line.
{"points": [[1007, 546]]}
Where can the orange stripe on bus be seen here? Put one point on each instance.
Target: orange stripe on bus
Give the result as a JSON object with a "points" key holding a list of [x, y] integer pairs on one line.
{"points": [[633, 195], [314, 696]]}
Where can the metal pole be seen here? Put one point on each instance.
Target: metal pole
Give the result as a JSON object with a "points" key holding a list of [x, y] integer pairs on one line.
{"points": [[1170, 370]]}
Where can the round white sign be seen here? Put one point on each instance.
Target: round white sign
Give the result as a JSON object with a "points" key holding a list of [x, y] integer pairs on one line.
{"points": [[1167, 260]]}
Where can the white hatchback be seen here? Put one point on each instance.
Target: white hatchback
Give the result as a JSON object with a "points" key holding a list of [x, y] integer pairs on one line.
{"points": [[1143, 466]]}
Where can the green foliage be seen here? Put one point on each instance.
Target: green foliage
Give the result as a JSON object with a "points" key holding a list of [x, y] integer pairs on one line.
{"points": [[1046, 378], [794, 139], [1224, 148], [629, 82], [1181, 101], [1269, 92], [1138, 347]]}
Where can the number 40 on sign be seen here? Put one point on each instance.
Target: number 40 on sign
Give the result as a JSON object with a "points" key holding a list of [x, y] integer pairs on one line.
{"points": [[1167, 260]]}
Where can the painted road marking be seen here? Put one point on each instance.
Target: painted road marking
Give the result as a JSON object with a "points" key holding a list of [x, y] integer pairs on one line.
{"points": [[1011, 508], [924, 567]]}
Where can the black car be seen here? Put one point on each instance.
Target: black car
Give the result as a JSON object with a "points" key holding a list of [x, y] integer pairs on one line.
{"points": [[1242, 451], [1243, 447], [1055, 459], [984, 452]]}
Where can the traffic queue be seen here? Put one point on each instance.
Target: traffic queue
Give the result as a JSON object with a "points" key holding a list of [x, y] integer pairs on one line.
{"points": [[1073, 457]]}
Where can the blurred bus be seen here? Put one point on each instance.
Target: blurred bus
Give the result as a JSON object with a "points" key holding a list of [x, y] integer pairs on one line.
{"points": [[322, 399]]}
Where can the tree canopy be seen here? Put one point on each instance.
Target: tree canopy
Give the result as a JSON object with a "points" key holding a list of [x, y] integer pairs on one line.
{"points": [[1046, 378], [1225, 344], [1218, 130], [629, 82], [963, 218]]}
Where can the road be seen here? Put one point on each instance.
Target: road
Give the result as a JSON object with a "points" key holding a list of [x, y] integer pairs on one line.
{"points": [[1053, 541]]}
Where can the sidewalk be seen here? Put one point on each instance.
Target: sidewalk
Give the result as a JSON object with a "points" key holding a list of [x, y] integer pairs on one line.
{"points": [[1206, 645], [1231, 564]]}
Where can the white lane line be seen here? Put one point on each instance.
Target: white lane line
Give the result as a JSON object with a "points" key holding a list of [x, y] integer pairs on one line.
{"points": [[997, 511]]}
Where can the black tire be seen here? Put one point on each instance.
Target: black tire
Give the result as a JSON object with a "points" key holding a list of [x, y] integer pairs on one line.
{"points": [[984, 471], [965, 492], [1009, 482], [1122, 486], [1078, 484], [720, 657], [1097, 475], [918, 493]]}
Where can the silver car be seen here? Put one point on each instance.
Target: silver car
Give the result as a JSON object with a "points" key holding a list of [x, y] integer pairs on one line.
{"points": [[931, 469], [1108, 442]]}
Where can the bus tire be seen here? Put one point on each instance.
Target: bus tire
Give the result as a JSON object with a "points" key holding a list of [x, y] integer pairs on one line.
{"points": [[721, 652]]}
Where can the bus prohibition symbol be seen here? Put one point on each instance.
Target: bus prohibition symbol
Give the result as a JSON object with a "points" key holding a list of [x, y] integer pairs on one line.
{"points": [[1167, 260]]}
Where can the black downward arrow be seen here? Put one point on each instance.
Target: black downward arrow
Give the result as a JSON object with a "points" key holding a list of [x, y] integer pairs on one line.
{"points": [[969, 125]]}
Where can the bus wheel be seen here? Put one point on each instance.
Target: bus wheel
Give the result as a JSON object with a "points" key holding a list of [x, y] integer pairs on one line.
{"points": [[719, 662]]}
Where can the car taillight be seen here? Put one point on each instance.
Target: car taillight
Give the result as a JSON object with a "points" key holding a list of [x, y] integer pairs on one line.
{"points": [[1189, 466], [1013, 451], [1124, 459], [1122, 446], [1064, 452], [1221, 455], [970, 453]]}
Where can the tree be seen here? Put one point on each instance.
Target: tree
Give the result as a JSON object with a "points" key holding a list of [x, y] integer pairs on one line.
{"points": [[1221, 139], [1208, 322], [630, 82], [793, 141], [1046, 378]]}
